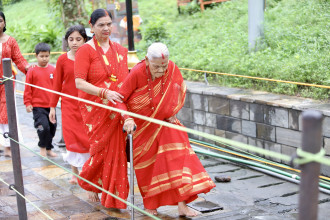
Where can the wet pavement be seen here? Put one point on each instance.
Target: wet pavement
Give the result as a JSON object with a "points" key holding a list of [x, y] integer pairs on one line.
{"points": [[249, 195]]}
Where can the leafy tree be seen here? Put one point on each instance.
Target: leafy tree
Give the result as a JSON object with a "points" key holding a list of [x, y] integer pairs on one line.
{"points": [[70, 11]]}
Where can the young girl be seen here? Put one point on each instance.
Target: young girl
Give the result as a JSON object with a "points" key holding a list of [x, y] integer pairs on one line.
{"points": [[75, 137]]}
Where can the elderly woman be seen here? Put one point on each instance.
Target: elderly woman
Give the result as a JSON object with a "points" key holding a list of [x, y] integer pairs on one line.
{"points": [[100, 67], [167, 169], [8, 49]]}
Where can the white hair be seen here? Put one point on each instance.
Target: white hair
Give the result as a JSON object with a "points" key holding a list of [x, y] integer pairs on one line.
{"points": [[157, 50]]}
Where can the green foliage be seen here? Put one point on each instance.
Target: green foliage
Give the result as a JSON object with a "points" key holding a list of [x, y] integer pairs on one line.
{"points": [[49, 33], [33, 27], [190, 8], [155, 30], [296, 45], [71, 12]]}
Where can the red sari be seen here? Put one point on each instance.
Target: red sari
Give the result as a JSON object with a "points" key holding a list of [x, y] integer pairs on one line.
{"points": [[72, 124], [167, 169], [107, 166], [11, 50]]}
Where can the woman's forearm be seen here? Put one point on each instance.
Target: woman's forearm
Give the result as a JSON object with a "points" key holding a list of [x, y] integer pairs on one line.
{"points": [[87, 87]]}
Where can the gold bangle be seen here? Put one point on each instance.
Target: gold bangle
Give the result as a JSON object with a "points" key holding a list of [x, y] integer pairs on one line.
{"points": [[105, 93], [99, 92], [128, 119]]}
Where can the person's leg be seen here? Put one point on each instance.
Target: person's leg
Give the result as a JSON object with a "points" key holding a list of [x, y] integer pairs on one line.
{"points": [[41, 124], [152, 211], [93, 196], [7, 152], [184, 210], [74, 180], [52, 131], [5, 141]]}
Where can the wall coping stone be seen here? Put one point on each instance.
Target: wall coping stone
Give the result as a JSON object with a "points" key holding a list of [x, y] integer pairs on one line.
{"points": [[260, 97]]}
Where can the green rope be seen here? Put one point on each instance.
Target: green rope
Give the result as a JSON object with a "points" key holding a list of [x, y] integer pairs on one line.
{"points": [[308, 157], [255, 149], [103, 190], [2, 81], [27, 200], [256, 157]]}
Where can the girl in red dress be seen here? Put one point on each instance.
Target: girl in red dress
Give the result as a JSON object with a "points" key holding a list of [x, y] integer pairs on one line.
{"points": [[75, 137], [100, 68], [8, 49]]}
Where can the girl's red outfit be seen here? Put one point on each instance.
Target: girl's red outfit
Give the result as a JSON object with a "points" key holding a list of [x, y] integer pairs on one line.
{"points": [[75, 137]]}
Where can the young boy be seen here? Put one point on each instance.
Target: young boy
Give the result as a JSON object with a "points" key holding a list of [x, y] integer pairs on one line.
{"points": [[37, 100]]}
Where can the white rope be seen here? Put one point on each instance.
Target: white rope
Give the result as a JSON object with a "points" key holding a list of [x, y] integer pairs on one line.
{"points": [[27, 199]]}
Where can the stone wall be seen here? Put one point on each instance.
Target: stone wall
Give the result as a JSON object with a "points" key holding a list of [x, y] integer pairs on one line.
{"points": [[262, 119]]}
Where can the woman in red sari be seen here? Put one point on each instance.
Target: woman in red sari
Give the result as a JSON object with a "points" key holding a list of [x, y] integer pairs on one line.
{"points": [[8, 49], [75, 138], [100, 68], [167, 169]]}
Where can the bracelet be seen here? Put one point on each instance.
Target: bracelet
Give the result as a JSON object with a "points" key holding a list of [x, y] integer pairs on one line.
{"points": [[105, 93], [102, 92], [98, 92], [128, 120]]}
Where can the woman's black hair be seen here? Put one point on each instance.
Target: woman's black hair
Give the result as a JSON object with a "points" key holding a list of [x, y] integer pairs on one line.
{"points": [[79, 28], [98, 13], [4, 19]]}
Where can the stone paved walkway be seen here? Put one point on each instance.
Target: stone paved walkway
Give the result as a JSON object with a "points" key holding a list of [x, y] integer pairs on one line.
{"points": [[250, 194]]}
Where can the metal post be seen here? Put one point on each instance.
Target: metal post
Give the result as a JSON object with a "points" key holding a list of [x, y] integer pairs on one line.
{"points": [[132, 58], [131, 182], [130, 34], [15, 151], [311, 142], [256, 21]]}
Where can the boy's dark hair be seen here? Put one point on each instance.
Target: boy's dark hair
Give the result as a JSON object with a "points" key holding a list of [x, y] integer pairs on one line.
{"points": [[98, 13], [42, 47], [4, 19], [79, 28]]}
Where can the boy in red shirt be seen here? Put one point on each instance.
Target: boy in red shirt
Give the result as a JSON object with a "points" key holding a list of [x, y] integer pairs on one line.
{"points": [[37, 100]]}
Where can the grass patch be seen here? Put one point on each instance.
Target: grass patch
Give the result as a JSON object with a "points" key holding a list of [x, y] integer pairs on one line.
{"points": [[296, 46], [30, 22]]}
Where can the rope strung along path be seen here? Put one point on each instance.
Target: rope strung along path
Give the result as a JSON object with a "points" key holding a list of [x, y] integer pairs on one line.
{"points": [[29, 54], [70, 172], [258, 78], [265, 152], [255, 158], [35, 206], [230, 74]]}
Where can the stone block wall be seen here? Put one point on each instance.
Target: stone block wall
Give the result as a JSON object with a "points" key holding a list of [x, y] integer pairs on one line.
{"points": [[262, 119]]}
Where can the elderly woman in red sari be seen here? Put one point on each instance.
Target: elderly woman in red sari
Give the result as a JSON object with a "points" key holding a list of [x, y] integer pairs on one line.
{"points": [[100, 68], [167, 169]]}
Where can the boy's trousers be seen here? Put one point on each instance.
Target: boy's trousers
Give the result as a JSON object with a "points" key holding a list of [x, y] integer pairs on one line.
{"points": [[45, 129]]}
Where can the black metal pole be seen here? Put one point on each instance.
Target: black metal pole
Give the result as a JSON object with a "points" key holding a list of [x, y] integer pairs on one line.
{"points": [[130, 33], [131, 182], [309, 185], [15, 152]]}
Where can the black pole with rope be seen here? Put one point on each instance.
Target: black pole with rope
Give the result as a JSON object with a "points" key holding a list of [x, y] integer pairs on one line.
{"points": [[13, 133]]}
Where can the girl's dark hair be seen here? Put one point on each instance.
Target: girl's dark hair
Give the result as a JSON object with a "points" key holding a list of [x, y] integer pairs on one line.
{"points": [[98, 13], [74, 28], [4, 19], [42, 47]]}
